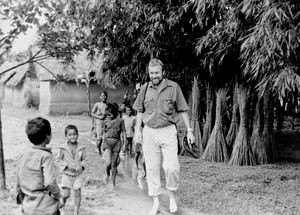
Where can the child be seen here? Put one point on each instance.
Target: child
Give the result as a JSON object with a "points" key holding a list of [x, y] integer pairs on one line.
{"points": [[139, 159], [37, 189], [113, 129], [128, 121], [122, 108], [98, 114], [73, 159]]}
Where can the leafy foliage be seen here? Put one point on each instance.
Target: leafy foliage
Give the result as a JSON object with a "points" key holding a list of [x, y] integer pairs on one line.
{"points": [[23, 15], [272, 46], [129, 33], [262, 38]]}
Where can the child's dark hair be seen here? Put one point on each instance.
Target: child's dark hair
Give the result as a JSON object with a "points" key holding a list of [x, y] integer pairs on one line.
{"points": [[103, 92], [113, 109], [37, 130], [126, 103], [70, 127], [129, 106]]}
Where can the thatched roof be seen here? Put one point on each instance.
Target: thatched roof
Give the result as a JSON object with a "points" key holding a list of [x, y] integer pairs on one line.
{"points": [[81, 66], [14, 77], [17, 78], [4, 78], [52, 69]]}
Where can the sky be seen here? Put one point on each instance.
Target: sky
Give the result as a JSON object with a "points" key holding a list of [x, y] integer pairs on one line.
{"points": [[23, 41]]}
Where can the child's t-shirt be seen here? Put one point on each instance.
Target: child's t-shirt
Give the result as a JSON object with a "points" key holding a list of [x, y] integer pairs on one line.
{"points": [[66, 160], [36, 174], [113, 128], [129, 123]]}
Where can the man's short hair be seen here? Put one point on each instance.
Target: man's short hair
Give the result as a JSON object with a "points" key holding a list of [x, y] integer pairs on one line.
{"points": [[70, 127], [37, 130], [155, 62]]}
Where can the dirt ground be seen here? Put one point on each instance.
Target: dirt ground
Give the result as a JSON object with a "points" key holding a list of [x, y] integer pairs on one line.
{"points": [[206, 188]]}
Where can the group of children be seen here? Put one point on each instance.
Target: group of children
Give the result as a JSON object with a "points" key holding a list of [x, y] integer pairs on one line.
{"points": [[114, 128], [37, 188]]}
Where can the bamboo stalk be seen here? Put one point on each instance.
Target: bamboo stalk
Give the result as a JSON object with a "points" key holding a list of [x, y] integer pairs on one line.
{"points": [[234, 124], [257, 141], [216, 149], [209, 115], [242, 153]]}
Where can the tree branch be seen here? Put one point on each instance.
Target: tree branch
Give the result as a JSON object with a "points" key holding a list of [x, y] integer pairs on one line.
{"points": [[47, 70], [14, 67], [21, 64]]}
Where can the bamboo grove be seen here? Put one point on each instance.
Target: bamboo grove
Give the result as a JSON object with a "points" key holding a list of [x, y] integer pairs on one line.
{"points": [[249, 48]]}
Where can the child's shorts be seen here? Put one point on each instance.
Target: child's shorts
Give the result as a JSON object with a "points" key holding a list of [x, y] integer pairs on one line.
{"points": [[72, 182], [99, 126], [112, 144]]}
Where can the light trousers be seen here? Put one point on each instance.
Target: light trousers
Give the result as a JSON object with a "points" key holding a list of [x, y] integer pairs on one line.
{"points": [[161, 143]]}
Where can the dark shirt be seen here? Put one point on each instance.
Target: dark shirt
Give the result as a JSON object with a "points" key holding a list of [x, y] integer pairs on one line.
{"points": [[113, 128]]}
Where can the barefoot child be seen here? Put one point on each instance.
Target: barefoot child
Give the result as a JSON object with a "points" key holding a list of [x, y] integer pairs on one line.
{"points": [[73, 159], [98, 114], [140, 163], [37, 189], [113, 129], [129, 126], [139, 159]]}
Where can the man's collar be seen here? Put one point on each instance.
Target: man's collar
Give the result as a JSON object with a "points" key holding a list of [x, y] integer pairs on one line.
{"points": [[164, 83]]}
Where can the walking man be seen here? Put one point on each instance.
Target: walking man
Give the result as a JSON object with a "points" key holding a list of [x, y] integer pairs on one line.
{"points": [[158, 105]]}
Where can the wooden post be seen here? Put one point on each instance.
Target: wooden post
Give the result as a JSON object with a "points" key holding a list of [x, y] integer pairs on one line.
{"points": [[2, 168]]}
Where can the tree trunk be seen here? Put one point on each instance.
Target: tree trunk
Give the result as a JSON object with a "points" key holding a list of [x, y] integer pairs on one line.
{"points": [[268, 128], [2, 169], [279, 116], [252, 110], [88, 94], [242, 154], [209, 115], [257, 141], [195, 113], [216, 149], [234, 124]]}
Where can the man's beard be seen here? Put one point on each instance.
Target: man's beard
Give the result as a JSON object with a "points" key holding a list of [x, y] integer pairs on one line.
{"points": [[156, 81]]}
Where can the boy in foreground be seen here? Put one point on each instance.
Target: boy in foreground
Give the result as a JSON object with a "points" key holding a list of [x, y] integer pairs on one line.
{"points": [[37, 189], [73, 160]]}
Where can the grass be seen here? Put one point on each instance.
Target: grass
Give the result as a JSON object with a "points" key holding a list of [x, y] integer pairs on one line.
{"points": [[217, 188]]}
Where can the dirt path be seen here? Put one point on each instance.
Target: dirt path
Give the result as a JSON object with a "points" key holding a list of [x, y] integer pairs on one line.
{"points": [[97, 197], [128, 198]]}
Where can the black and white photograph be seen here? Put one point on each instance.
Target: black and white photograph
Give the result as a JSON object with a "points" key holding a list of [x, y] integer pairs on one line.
{"points": [[150, 107]]}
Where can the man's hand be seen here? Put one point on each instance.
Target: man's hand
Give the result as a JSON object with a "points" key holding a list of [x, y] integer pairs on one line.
{"points": [[190, 137], [138, 136]]}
